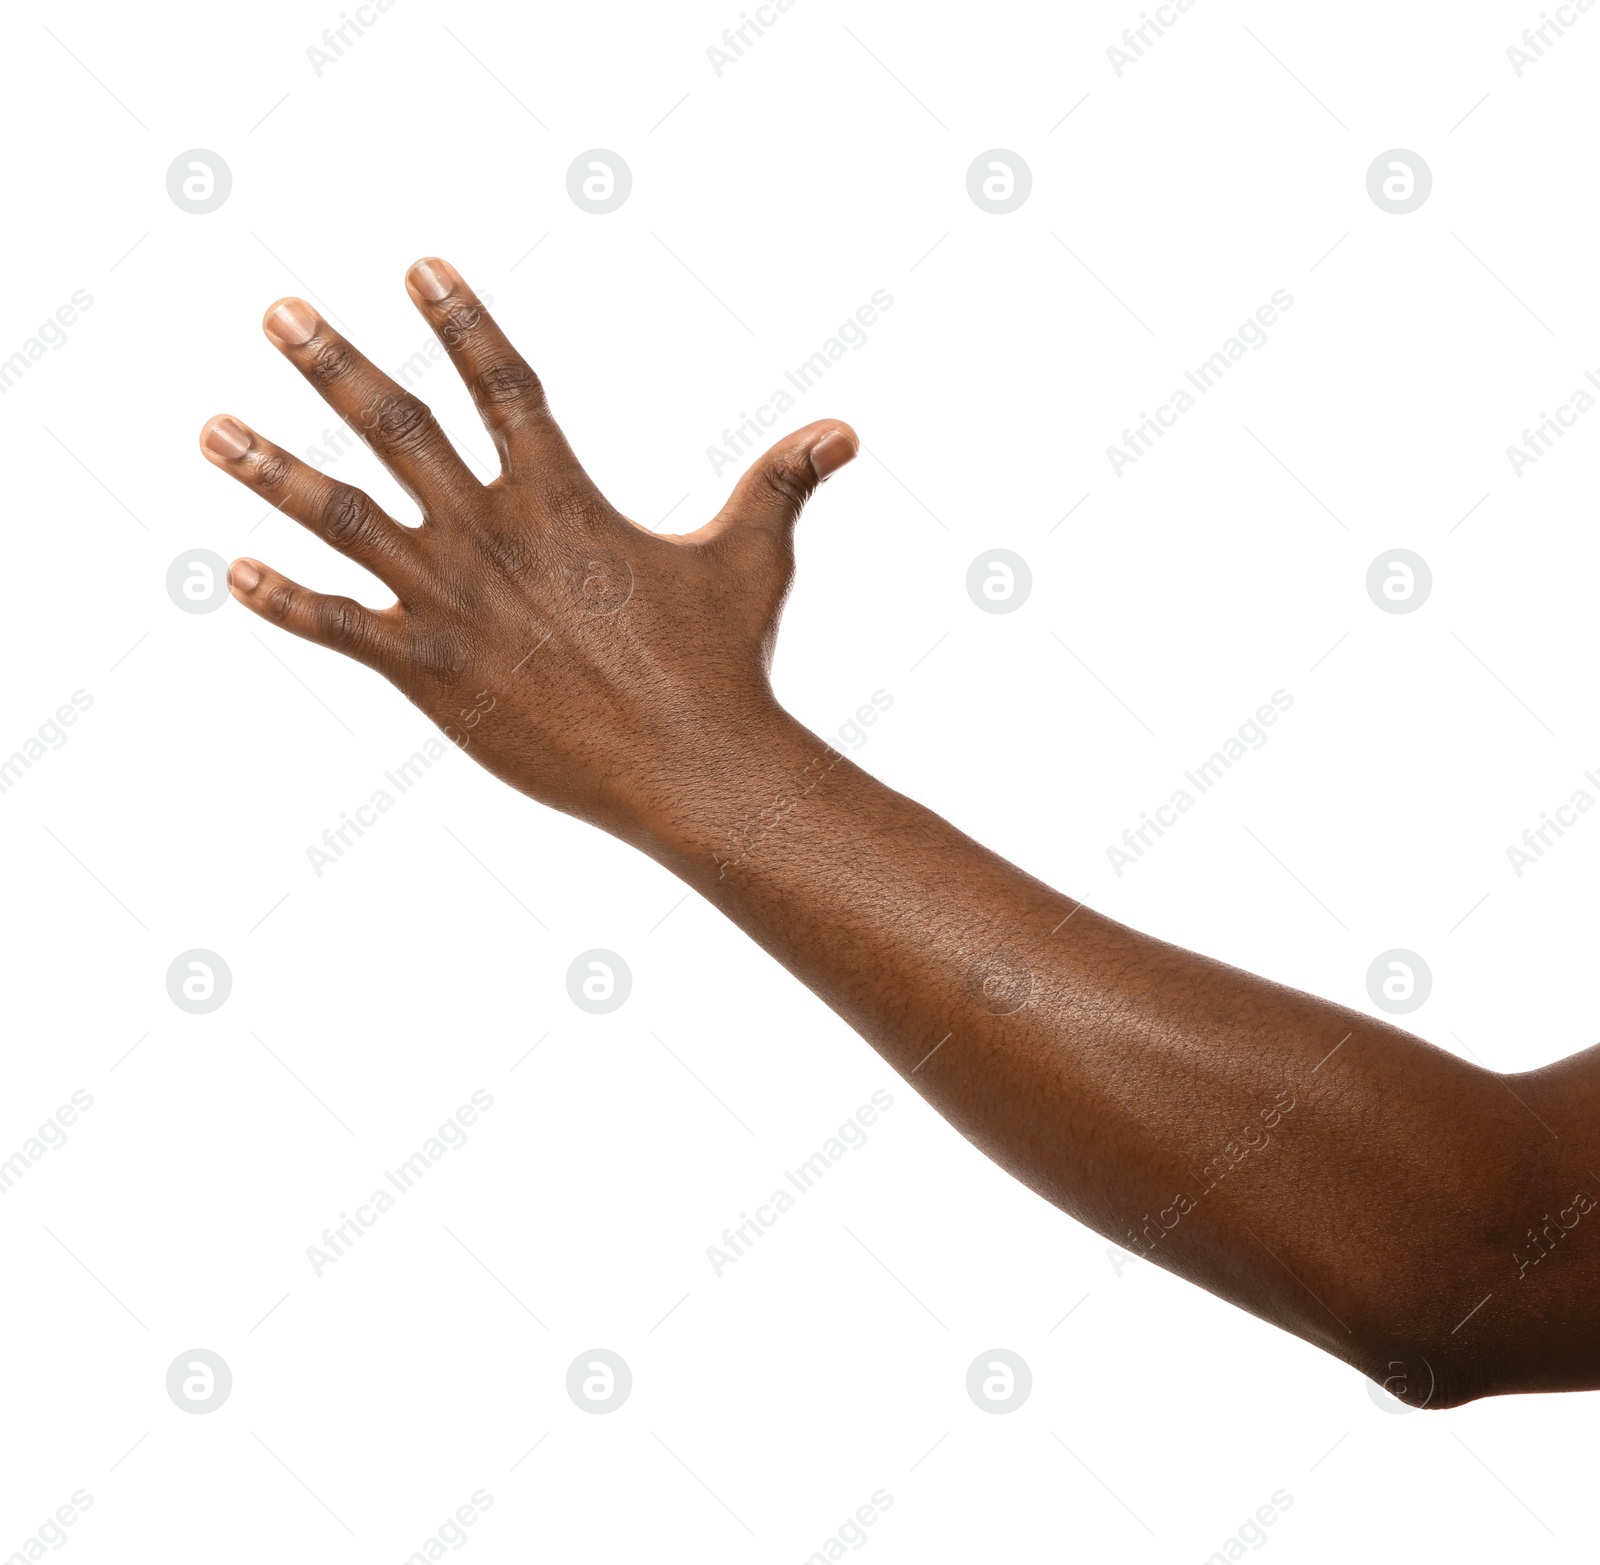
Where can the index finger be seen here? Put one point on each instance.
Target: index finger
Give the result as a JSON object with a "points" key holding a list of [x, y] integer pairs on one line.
{"points": [[508, 395]]}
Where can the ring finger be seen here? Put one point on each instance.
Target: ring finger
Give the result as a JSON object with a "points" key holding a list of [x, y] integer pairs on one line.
{"points": [[343, 516], [400, 428]]}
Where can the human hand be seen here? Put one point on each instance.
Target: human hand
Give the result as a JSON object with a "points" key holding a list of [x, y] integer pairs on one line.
{"points": [[589, 662]]}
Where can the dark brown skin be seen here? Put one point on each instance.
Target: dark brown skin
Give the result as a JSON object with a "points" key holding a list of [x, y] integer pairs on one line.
{"points": [[1428, 1221]]}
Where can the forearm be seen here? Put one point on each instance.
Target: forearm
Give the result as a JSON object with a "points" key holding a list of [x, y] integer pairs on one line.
{"points": [[1373, 1194], [1332, 1174]]}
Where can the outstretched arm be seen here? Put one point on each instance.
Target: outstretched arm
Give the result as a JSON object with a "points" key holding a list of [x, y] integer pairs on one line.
{"points": [[1424, 1219]]}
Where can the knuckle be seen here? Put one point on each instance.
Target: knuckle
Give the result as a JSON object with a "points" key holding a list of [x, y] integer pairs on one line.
{"points": [[331, 361], [273, 470], [350, 520], [441, 655], [568, 505], [341, 621], [508, 550], [512, 382], [458, 324], [781, 481], [397, 420], [280, 603]]}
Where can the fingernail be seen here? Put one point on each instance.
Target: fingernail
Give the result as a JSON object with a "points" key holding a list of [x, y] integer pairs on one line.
{"points": [[244, 574], [831, 453], [227, 437], [432, 280], [293, 323]]}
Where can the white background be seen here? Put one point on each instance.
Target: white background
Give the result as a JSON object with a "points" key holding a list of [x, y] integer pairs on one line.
{"points": [[768, 203]]}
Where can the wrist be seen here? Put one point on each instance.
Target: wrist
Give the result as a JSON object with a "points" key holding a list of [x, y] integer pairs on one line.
{"points": [[716, 814]]}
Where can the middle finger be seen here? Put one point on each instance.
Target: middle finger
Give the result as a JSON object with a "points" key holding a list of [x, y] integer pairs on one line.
{"points": [[399, 428]]}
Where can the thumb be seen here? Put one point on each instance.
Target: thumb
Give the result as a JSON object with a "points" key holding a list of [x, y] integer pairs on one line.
{"points": [[776, 486]]}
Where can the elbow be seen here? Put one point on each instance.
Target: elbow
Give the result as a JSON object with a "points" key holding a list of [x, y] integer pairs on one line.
{"points": [[1499, 1308], [1426, 1375]]}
